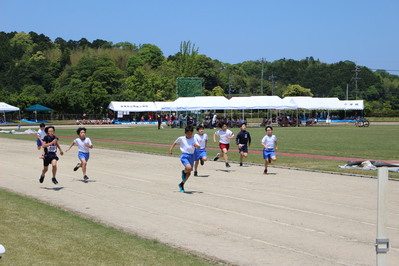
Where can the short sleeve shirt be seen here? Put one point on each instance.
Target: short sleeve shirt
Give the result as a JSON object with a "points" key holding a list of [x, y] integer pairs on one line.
{"points": [[186, 145], [224, 136], [81, 144], [269, 141], [201, 140]]}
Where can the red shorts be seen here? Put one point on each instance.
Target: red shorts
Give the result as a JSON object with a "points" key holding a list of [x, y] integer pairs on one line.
{"points": [[224, 146]]}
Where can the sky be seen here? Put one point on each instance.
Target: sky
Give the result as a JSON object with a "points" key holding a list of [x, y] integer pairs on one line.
{"points": [[362, 31]]}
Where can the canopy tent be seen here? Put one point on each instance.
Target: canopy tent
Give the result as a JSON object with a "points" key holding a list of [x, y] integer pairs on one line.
{"points": [[133, 107], [5, 107], [198, 103], [309, 103], [38, 107], [352, 105]]}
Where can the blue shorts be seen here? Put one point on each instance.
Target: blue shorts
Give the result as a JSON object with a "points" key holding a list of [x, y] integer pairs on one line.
{"points": [[268, 153], [198, 154], [186, 159], [83, 155], [38, 142]]}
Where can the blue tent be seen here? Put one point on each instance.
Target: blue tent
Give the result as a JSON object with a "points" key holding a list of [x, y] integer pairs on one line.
{"points": [[38, 107]]}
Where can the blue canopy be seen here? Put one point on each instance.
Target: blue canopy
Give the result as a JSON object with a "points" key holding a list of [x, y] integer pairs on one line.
{"points": [[38, 107]]}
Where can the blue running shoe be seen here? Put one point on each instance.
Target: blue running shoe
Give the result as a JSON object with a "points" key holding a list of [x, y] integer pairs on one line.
{"points": [[181, 187], [183, 176]]}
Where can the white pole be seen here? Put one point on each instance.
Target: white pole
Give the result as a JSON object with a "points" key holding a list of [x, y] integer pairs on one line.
{"points": [[382, 241]]}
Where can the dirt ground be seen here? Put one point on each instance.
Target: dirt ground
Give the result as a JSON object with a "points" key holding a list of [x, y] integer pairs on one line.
{"points": [[237, 215]]}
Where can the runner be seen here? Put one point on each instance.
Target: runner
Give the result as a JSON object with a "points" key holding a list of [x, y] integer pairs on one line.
{"points": [[84, 144], [200, 155], [50, 145], [269, 142], [225, 136], [187, 147], [243, 140]]}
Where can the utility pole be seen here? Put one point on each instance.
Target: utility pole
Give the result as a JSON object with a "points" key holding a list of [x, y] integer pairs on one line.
{"points": [[229, 86], [356, 78], [272, 79], [262, 60]]}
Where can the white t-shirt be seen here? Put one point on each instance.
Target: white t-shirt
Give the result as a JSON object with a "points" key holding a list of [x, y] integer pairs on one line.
{"points": [[41, 133], [224, 136], [81, 146], [186, 145], [201, 140], [269, 141]]}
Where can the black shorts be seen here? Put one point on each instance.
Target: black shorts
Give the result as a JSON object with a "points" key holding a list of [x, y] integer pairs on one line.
{"points": [[49, 157], [243, 149]]}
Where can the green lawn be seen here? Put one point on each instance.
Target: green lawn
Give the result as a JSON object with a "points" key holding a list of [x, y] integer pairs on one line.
{"points": [[375, 142], [37, 234]]}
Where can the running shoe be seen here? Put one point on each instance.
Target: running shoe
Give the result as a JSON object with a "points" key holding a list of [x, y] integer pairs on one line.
{"points": [[183, 176], [201, 162], [240, 164], [265, 172], [195, 173], [227, 165], [216, 157], [76, 167], [41, 179], [54, 181], [181, 187], [85, 177]]}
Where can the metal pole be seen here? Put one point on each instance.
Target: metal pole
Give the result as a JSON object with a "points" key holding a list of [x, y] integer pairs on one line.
{"points": [[261, 86], [382, 241]]}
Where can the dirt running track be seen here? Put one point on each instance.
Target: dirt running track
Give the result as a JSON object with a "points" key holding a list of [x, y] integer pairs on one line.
{"points": [[237, 215]]}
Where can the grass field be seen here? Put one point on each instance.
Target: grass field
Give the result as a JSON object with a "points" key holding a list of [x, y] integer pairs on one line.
{"points": [[376, 142], [37, 234]]}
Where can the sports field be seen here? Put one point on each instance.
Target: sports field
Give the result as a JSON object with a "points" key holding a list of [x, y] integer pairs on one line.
{"points": [[236, 215]]}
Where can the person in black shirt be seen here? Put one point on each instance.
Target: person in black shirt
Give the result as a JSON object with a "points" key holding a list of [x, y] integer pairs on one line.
{"points": [[50, 145], [243, 140]]}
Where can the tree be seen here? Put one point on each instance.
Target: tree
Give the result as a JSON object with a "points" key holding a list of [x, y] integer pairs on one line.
{"points": [[151, 54], [296, 90], [187, 60]]}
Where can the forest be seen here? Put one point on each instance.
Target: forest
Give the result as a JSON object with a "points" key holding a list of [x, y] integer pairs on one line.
{"points": [[75, 77]]}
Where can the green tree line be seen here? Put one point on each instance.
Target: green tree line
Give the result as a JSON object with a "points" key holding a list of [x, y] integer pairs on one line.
{"points": [[83, 76]]}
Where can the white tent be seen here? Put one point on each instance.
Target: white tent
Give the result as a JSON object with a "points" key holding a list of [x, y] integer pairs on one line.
{"points": [[133, 107], [198, 103], [309, 103], [352, 105], [5, 107]]}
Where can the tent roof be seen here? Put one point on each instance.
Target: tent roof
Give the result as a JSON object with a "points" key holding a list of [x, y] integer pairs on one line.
{"points": [[198, 103], [38, 107], [5, 107], [133, 106], [305, 102], [352, 105]]}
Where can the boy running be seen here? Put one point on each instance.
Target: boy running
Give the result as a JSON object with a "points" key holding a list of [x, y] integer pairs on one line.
{"points": [[243, 140], [269, 142], [40, 136], [200, 139], [84, 144], [187, 147], [225, 136], [50, 145]]}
